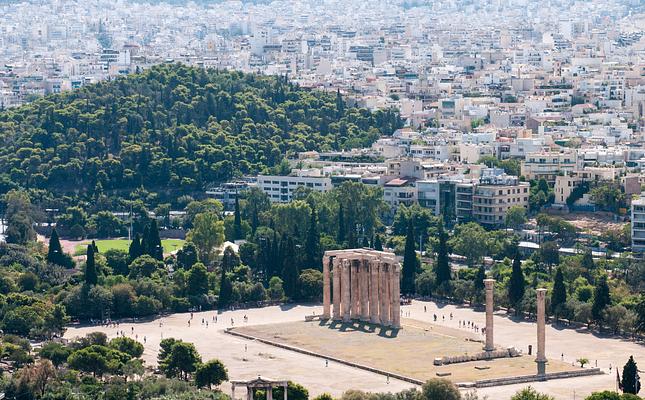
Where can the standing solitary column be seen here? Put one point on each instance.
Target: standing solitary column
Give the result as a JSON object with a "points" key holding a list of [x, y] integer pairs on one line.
{"points": [[269, 391], [490, 307], [395, 289], [374, 306], [384, 293], [337, 268], [346, 291], [326, 288], [541, 333], [365, 292]]}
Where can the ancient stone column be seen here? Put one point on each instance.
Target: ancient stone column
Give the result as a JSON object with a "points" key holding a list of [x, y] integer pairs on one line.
{"points": [[336, 262], [326, 288], [541, 333], [395, 290], [365, 290], [356, 293], [490, 308], [374, 290], [345, 287], [384, 293], [269, 391]]}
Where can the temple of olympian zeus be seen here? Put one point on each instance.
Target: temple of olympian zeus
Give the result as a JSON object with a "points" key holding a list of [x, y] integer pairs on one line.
{"points": [[365, 286], [489, 346]]}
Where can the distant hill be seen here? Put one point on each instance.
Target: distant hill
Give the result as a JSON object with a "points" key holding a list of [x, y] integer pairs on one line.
{"points": [[173, 128]]}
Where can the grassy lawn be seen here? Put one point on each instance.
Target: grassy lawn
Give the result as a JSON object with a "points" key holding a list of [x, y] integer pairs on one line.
{"points": [[169, 245]]}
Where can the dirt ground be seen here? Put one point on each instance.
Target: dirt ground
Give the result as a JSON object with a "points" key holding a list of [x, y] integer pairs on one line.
{"points": [[594, 223]]}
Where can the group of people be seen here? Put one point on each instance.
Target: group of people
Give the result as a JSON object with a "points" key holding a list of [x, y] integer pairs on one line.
{"points": [[472, 325], [205, 320]]}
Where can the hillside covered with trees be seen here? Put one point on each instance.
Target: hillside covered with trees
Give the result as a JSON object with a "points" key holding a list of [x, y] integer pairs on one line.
{"points": [[173, 129]]}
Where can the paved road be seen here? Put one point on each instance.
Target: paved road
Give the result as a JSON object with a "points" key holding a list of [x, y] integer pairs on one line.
{"points": [[247, 359]]}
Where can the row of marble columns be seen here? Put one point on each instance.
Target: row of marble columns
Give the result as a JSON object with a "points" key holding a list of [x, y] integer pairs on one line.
{"points": [[365, 287], [541, 324]]}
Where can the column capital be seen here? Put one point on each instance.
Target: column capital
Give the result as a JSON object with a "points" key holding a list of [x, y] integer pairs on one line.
{"points": [[489, 283]]}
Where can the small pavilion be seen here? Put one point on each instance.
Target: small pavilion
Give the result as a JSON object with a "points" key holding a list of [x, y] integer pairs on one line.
{"points": [[259, 383]]}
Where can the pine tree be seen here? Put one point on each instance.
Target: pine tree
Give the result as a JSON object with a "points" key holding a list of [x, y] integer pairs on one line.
{"points": [[91, 276], [630, 382], [410, 261], [559, 294], [237, 223], [290, 272], [312, 243], [340, 238], [134, 250], [442, 269], [55, 252], [601, 298], [377, 243], [516, 285]]}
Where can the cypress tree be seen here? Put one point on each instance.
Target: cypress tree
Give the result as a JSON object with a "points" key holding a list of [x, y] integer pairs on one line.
{"points": [[409, 272], [91, 276], [55, 251], [587, 261], [559, 294], [96, 248], [366, 243], [312, 242], [275, 266], [134, 250], [601, 298], [442, 271], [630, 382], [290, 272], [479, 279], [154, 248], [340, 238], [237, 223], [516, 284], [145, 239], [377, 243], [230, 261]]}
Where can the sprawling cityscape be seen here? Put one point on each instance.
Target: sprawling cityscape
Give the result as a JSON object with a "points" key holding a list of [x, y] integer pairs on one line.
{"points": [[336, 199]]}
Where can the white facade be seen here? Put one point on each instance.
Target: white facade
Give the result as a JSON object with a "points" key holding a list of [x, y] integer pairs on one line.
{"points": [[280, 189]]}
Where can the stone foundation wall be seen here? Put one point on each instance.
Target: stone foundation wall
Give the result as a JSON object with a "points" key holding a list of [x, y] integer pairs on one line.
{"points": [[484, 355], [533, 378]]}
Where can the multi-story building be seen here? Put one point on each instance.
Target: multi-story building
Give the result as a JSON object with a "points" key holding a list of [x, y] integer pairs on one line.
{"points": [[495, 195], [228, 192], [548, 165], [638, 225], [281, 189], [400, 191]]}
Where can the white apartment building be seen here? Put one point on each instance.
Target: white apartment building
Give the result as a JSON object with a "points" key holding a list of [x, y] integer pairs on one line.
{"points": [[548, 165], [638, 224], [281, 189]]}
